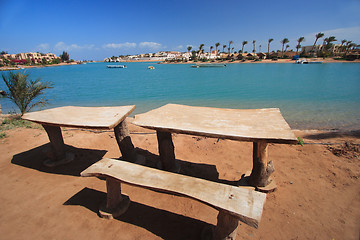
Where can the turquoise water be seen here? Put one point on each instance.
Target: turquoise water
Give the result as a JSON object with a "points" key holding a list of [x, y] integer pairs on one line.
{"points": [[323, 96]]}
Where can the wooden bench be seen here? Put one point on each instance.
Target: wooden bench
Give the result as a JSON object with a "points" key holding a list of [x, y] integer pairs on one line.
{"points": [[234, 203]]}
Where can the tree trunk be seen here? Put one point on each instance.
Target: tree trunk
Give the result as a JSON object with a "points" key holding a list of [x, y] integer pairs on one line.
{"points": [[115, 204], [262, 169], [123, 139], [166, 150], [56, 142], [226, 226]]}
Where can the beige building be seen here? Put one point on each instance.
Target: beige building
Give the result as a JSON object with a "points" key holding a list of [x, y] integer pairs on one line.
{"points": [[32, 56]]}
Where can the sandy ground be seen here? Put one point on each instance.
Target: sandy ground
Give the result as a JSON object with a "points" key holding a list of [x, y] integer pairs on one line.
{"points": [[318, 195]]}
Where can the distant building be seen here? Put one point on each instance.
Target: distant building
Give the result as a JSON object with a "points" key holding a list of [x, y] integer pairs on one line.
{"points": [[261, 55], [317, 48], [308, 49], [31, 56]]}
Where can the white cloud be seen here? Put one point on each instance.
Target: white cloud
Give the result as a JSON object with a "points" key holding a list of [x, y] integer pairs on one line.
{"points": [[61, 46], [43, 47], [151, 45], [119, 45], [351, 33], [180, 47]]}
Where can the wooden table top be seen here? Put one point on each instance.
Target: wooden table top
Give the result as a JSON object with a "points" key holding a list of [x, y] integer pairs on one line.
{"points": [[236, 124], [81, 117]]}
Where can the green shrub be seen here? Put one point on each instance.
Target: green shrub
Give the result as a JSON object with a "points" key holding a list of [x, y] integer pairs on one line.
{"points": [[24, 92], [2, 135]]}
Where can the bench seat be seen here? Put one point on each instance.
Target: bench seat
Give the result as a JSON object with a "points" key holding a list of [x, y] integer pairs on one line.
{"points": [[241, 204]]}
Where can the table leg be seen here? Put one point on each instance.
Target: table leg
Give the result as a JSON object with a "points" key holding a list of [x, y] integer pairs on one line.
{"points": [[115, 204], [58, 156], [166, 152], [262, 169], [226, 226], [122, 135]]}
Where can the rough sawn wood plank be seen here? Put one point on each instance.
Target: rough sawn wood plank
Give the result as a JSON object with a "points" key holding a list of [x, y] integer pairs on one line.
{"points": [[236, 124], [81, 117], [245, 204]]}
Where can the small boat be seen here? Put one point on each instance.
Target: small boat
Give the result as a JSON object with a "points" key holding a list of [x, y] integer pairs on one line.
{"points": [[116, 66], [304, 61], [209, 65], [151, 67]]}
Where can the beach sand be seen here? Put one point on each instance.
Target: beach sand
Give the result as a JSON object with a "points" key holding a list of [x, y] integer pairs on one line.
{"points": [[318, 195]]}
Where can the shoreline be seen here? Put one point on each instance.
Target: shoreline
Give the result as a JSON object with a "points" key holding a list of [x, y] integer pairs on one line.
{"points": [[265, 61], [188, 62], [37, 66], [321, 129]]}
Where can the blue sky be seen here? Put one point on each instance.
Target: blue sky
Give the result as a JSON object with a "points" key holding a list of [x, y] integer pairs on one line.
{"points": [[99, 29]]}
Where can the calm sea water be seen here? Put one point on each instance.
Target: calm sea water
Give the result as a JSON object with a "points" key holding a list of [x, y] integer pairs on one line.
{"points": [[323, 96]]}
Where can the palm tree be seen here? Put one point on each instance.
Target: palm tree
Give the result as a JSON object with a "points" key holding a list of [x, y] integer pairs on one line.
{"points": [[230, 42], [260, 48], [189, 48], [224, 46], [216, 46], [352, 46], [269, 41], [300, 40], [211, 48], [286, 47], [283, 42], [201, 48], [254, 46], [243, 44], [342, 45], [319, 35], [347, 47], [329, 42], [25, 92], [323, 45]]}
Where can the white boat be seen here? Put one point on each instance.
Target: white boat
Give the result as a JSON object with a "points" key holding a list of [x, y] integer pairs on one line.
{"points": [[116, 66], [209, 65], [305, 61]]}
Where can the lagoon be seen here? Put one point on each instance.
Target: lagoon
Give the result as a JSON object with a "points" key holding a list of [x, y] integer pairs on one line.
{"points": [[318, 96]]}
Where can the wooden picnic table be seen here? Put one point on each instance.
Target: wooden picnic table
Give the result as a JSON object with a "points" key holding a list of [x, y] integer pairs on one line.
{"points": [[97, 118], [260, 126]]}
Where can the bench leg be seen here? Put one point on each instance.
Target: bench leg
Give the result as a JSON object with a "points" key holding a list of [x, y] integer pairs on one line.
{"points": [[115, 204], [262, 169], [166, 152], [226, 226], [123, 139], [58, 156]]}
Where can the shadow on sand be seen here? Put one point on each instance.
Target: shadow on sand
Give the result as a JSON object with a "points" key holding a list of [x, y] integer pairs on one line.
{"points": [[84, 158], [162, 223], [34, 159], [333, 134], [198, 170]]}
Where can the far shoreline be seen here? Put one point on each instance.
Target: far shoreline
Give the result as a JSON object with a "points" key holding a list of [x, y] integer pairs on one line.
{"points": [[265, 61], [20, 67]]}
